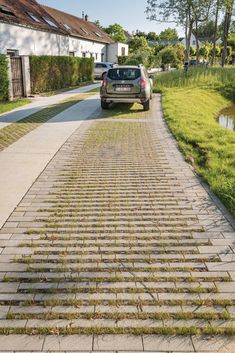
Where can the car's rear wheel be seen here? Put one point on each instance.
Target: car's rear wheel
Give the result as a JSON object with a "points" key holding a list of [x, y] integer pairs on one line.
{"points": [[146, 105], [104, 105]]}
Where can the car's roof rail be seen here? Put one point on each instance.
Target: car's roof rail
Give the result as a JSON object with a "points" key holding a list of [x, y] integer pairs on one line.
{"points": [[141, 65]]}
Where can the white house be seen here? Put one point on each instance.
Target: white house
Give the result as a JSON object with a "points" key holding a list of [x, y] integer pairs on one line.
{"points": [[117, 49], [193, 42], [28, 28]]}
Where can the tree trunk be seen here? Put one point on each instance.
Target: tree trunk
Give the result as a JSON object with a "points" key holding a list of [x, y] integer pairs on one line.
{"points": [[188, 34], [225, 39], [227, 22], [197, 42], [215, 33]]}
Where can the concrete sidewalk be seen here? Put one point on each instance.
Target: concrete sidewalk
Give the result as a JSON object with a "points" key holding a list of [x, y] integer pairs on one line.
{"points": [[40, 103], [22, 162]]}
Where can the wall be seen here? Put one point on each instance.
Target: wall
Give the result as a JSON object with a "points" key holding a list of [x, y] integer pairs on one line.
{"points": [[33, 42], [114, 50]]}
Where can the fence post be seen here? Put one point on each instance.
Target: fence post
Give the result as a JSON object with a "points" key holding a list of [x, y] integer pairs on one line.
{"points": [[10, 87], [26, 75]]}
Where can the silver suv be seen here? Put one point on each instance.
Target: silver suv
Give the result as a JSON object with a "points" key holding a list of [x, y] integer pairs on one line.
{"points": [[101, 69], [127, 84]]}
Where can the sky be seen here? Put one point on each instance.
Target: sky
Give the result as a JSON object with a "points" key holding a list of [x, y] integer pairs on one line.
{"points": [[128, 13]]}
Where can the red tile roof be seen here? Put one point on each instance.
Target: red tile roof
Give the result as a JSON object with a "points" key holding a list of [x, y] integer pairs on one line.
{"points": [[18, 12], [78, 27], [21, 8]]}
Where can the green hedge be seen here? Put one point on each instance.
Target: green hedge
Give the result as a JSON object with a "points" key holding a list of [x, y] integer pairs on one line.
{"points": [[4, 83], [49, 73]]}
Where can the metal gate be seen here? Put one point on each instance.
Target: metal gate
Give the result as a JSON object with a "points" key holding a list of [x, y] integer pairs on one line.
{"points": [[17, 77]]}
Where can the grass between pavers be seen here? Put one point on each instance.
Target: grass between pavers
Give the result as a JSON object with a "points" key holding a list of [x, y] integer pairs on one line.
{"points": [[13, 132], [200, 303], [225, 316], [114, 279], [191, 105], [196, 290], [166, 331], [8, 106], [42, 283]]}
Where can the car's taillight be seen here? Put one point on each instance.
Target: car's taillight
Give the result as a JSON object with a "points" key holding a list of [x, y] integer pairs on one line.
{"points": [[142, 83], [104, 83]]}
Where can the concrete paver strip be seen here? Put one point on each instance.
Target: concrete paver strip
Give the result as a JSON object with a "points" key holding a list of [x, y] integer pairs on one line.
{"points": [[178, 344], [22, 162], [39, 104], [69, 343], [118, 342], [119, 246], [21, 343]]}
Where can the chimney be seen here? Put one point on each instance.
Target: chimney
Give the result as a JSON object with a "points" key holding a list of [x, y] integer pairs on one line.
{"points": [[86, 18], [83, 15]]}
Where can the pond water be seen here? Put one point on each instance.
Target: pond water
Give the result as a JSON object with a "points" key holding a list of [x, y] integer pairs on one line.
{"points": [[226, 118]]}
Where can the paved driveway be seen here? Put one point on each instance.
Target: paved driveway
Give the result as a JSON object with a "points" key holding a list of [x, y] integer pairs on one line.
{"points": [[118, 247]]}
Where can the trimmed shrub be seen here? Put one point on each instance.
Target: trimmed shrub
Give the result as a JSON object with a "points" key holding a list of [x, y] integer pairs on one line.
{"points": [[4, 83], [49, 73]]}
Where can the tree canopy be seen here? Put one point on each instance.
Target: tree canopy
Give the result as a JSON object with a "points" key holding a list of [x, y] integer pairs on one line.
{"points": [[116, 32], [169, 34]]}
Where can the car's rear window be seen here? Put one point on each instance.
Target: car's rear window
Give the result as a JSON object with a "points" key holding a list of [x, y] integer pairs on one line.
{"points": [[124, 74]]}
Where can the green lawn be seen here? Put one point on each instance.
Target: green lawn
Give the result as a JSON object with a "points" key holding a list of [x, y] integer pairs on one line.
{"points": [[8, 106], [191, 106]]}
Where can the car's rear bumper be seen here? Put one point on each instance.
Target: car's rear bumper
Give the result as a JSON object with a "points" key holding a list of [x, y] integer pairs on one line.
{"points": [[124, 100]]}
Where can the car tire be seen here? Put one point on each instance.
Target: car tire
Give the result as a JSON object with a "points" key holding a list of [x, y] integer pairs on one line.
{"points": [[146, 105], [104, 105]]}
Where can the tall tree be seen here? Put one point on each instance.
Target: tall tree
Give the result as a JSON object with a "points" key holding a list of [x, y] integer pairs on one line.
{"points": [[200, 12], [227, 22], [217, 9], [176, 11]]}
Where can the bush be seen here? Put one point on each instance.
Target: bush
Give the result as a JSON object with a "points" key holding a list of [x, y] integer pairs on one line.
{"points": [[54, 72], [4, 83], [169, 56], [148, 60]]}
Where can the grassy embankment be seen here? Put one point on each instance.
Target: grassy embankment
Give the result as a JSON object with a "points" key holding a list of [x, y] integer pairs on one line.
{"points": [[8, 106], [191, 105]]}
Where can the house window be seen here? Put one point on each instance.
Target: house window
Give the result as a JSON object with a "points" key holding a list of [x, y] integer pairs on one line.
{"points": [[96, 56], [67, 26], [33, 17], [83, 55], [50, 22], [102, 57], [123, 51], [6, 11], [12, 52], [98, 34], [72, 53]]}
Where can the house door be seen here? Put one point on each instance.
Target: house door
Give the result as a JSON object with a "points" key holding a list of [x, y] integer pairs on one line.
{"points": [[17, 77]]}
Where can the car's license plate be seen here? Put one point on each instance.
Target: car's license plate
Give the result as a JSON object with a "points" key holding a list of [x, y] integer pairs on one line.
{"points": [[123, 89]]}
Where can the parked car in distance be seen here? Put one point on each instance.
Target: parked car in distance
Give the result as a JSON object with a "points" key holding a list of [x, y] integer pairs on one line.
{"points": [[127, 84], [101, 69]]}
